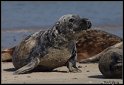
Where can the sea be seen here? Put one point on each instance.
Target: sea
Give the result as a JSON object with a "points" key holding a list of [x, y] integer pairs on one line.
{"points": [[21, 18]]}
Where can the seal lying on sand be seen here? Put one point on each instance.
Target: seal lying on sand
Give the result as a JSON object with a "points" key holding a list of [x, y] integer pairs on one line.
{"points": [[110, 63], [6, 54], [87, 41], [52, 48], [93, 41]]}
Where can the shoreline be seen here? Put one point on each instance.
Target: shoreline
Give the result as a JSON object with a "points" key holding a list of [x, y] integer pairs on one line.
{"points": [[11, 37]]}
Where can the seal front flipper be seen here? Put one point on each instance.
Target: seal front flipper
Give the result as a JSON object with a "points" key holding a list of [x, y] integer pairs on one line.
{"points": [[71, 64], [30, 66]]}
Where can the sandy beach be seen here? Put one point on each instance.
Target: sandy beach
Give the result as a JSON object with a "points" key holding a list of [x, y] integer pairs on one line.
{"points": [[90, 72], [90, 75]]}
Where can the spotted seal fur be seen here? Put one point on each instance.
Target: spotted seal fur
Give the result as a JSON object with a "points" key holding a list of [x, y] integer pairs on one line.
{"points": [[93, 41], [52, 48]]}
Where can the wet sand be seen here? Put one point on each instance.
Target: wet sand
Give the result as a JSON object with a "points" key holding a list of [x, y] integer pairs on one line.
{"points": [[90, 75]]}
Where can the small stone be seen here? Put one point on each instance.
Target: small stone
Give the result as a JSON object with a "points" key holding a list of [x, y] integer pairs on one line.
{"points": [[28, 76], [79, 66], [87, 71], [74, 78]]}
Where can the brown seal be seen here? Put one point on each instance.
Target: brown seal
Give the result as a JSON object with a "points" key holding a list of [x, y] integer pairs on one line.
{"points": [[92, 42], [6, 54]]}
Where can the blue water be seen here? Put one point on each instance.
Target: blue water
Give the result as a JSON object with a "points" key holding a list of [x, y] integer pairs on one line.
{"points": [[22, 14], [17, 15]]}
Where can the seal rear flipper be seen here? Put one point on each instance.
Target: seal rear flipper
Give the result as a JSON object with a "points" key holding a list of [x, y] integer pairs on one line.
{"points": [[30, 66], [91, 59], [96, 58]]}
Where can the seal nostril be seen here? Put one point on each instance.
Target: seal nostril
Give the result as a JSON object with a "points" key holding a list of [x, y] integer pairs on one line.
{"points": [[71, 20]]}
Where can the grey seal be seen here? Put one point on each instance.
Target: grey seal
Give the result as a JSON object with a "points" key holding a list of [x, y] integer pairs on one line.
{"points": [[110, 63], [50, 49]]}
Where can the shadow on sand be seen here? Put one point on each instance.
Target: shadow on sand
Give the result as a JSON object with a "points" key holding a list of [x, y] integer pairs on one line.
{"points": [[35, 70], [10, 69], [101, 77]]}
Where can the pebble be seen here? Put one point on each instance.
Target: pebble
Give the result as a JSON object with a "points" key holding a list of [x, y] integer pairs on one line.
{"points": [[79, 66], [74, 78], [87, 71]]}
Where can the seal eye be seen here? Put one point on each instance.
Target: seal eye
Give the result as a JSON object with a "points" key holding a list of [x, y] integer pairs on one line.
{"points": [[71, 20]]}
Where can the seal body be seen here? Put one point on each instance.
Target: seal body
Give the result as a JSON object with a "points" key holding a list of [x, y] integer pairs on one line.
{"points": [[52, 48], [47, 51], [110, 63], [93, 41]]}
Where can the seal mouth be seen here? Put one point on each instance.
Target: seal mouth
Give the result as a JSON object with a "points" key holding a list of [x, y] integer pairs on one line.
{"points": [[89, 24]]}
